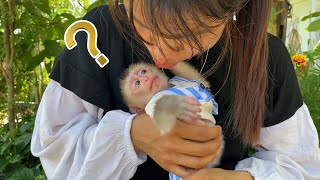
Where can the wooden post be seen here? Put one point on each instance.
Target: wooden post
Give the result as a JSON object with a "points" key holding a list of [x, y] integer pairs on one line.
{"points": [[281, 20]]}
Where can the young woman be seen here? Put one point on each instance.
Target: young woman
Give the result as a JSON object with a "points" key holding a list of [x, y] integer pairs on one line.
{"points": [[82, 129]]}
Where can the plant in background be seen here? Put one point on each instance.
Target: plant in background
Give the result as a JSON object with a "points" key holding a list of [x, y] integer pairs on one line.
{"points": [[314, 25], [36, 31], [307, 68], [308, 73], [16, 161]]}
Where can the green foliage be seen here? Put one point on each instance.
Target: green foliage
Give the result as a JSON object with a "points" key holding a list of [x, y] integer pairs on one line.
{"points": [[315, 25], [316, 14], [39, 29], [316, 50], [16, 161], [97, 3], [309, 80]]}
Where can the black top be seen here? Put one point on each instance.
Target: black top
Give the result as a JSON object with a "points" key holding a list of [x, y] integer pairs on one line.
{"points": [[77, 71]]}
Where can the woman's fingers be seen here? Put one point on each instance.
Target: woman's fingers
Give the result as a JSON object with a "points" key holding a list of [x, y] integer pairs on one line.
{"points": [[186, 145], [200, 149], [193, 161], [196, 133], [181, 171]]}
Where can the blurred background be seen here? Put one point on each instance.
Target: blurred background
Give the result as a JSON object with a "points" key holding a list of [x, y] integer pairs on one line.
{"points": [[31, 35]]}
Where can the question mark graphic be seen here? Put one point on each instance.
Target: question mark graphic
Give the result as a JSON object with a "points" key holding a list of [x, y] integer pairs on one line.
{"points": [[90, 29]]}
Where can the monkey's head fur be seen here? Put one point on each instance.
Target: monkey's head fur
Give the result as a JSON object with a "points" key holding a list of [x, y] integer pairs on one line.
{"points": [[141, 101]]}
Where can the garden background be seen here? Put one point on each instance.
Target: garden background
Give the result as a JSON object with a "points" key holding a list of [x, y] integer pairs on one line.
{"points": [[31, 35]]}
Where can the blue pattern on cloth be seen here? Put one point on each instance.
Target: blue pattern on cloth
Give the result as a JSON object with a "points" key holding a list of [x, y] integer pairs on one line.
{"points": [[173, 176], [198, 92]]}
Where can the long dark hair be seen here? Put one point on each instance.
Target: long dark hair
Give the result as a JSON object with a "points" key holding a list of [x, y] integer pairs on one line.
{"points": [[246, 43]]}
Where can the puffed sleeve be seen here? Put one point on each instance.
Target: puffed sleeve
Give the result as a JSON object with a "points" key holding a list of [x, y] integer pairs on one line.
{"points": [[288, 146], [74, 141], [288, 150]]}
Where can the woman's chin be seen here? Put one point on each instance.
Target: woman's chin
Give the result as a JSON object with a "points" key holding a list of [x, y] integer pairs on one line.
{"points": [[164, 65]]}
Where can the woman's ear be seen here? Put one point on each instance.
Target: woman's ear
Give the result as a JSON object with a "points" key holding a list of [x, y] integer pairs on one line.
{"points": [[136, 110]]}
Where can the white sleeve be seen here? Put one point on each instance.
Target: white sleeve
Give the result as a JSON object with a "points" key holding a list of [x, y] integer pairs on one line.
{"points": [[289, 150], [74, 141]]}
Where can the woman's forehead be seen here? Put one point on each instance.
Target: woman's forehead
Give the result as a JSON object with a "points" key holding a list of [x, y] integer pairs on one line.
{"points": [[141, 19]]}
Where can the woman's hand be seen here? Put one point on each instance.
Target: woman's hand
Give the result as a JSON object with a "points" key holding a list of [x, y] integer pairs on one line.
{"points": [[219, 174], [186, 147]]}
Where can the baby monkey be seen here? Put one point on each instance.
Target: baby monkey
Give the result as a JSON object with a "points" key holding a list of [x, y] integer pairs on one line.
{"points": [[140, 87], [146, 89]]}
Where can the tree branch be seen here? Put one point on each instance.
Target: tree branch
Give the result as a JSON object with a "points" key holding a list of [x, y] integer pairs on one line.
{"points": [[6, 35], [11, 5], [1, 67], [3, 95], [82, 5]]}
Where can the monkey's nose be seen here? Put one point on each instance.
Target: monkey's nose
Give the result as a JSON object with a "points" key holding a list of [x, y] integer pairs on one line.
{"points": [[144, 78]]}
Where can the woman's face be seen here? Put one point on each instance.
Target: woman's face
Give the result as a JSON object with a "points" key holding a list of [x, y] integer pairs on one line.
{"points": [[167, 57]]}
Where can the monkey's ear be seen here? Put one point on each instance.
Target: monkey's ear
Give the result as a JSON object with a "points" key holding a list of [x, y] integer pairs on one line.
{"points": [[136, 110]]}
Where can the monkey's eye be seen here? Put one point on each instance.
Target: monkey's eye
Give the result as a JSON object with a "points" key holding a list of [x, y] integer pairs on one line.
{"points": [[143, 72], [137, 83]]}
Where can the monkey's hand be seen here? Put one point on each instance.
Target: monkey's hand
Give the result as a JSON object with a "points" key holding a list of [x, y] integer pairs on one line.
{"points": [[169, 108]]}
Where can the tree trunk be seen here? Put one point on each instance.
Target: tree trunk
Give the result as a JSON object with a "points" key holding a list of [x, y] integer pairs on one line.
{"points": [[6, 65], [41, 81], [10, 99], [36, 87]]}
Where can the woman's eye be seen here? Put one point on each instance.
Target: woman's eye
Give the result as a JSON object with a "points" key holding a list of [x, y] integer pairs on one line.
{"points": [[137, 83], [143, 72]]}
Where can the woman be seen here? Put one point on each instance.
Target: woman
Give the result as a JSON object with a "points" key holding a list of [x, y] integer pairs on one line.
{"points": [[82, 130]]}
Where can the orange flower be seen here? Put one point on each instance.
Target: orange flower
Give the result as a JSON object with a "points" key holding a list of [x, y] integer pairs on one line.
{"points": [[299, 59]]}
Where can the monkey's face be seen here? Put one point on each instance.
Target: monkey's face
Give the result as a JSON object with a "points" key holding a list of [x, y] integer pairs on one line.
{"points": [[145, 82]]}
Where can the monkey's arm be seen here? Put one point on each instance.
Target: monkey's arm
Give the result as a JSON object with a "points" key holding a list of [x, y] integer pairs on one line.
{"points": [[185, 70], [165, 109], [169, 108]]}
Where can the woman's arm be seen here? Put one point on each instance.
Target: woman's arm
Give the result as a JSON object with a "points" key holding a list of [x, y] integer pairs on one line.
{"points": [[185, 148], [288, 147], [289, 150], [74, 141]]}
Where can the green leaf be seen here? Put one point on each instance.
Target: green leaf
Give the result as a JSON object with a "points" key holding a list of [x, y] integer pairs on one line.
{"points": [[52, 48], [5, 137], [3, 165], [22, 174], [4, 147], [24, 127], [36, 60], [48, 66], [316, 49], [64, 10], [314, 26], [316, 14], [25, 138], [14, 159], [96, 4], [68, 16], [43, 6]]}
